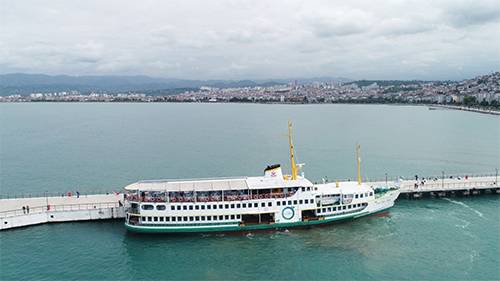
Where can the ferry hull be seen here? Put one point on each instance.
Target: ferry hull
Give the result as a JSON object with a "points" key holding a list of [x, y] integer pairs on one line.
{"points": [[254, 227]]}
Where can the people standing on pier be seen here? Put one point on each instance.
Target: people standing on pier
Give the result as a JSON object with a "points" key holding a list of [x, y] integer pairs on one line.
{"points": [[27, 209], [77, 194], [24, 210]]}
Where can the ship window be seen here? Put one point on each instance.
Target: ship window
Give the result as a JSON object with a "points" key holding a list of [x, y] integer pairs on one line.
{"points": [[315, 188], [357, 195], [215, 218], [226, 206], [371, 193], [147, 207], [196, 207], [209, 218], [220, 206], [301, 202], [143, 218], [349, 206], [190, 207], [161, 207], [294, 202], [214, 207], [361, 196], [178, 208], [196, 218], [334, 209], [312, 201], [324, 210], [167, 218], [232, 206], [172, 208], [344, 207], [269, 204], [202, 218], [303, 189], [244, 205], [306, 201], [173, 218], [232, 217], [185, 219], [161, 218], [278, 203], [238, 206], [255, 205], [308, 188], [329, 209], [203, 207], [179, 218], [149, 219], [227, 217], [262, 204], [289, 202], [184, 207], [209, 207], [221, 217]]}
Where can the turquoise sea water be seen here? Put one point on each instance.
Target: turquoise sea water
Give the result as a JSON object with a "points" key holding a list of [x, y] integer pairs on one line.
{"points": [[87, 147]]}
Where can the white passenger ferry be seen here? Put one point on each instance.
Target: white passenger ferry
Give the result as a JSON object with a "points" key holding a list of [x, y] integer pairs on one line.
{"points": [[272, 201]]}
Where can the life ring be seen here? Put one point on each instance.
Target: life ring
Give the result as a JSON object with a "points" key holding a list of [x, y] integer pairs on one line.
{"points": [[288, 213]]}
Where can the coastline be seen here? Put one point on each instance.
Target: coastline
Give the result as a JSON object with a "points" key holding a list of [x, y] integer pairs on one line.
{"points": [[431, 106]]}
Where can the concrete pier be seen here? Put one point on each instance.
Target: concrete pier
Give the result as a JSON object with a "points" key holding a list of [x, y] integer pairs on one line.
{"points": [[110, 206], [59, 209], [456, 186]]}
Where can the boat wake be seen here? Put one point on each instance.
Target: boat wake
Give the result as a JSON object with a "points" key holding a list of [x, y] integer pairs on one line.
{"points": [[465, 225], [466, 206]]}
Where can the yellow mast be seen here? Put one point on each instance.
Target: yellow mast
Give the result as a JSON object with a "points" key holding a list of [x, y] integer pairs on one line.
{"points": [[292, 154], [358, 159]]}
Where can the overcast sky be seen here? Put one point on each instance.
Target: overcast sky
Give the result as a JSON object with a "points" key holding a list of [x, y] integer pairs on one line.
{"points": [[396, 39]]}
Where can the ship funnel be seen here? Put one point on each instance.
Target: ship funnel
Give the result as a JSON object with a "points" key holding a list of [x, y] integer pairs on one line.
{"points": [[273, 171]]}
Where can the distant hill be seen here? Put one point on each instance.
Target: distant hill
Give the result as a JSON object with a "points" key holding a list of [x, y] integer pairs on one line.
{"points": [[21, 83]]}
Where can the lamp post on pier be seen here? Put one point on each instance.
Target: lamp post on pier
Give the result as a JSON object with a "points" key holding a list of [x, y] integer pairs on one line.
{"points": [[46, 200], [496, 176]]}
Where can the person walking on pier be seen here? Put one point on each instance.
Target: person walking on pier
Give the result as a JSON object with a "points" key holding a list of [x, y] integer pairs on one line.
{"points": [[77, 194]]}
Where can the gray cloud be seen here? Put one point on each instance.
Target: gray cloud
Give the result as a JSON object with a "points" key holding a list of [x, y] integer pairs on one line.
{"points": [[468, 13], [394, 39]]}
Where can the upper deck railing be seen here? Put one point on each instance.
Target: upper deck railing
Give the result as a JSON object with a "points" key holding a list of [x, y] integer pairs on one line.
{"points": [[177, 199]]}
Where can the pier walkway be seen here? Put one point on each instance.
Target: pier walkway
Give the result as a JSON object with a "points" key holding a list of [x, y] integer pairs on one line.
{"points": [[66, 208], [436, 187], [59, 209]]}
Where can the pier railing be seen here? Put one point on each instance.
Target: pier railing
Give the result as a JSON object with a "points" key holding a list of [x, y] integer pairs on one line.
{"points": [[437, 186], [58, 208], [71, 193]]}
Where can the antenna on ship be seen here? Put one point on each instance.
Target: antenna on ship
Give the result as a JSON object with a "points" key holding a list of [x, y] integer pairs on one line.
{"points": [[292, 154], [358, 159]]}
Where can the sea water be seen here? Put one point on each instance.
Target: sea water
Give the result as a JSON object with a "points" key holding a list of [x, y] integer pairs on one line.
{"points": [[90, 147]]}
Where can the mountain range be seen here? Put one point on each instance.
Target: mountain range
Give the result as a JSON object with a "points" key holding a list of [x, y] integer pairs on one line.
{"points": [[23, 84]]}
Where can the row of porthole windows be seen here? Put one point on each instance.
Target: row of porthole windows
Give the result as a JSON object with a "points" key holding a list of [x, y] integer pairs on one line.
{"points": [[159, 207], [191, 219], [339, 208], [364, 195]]}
